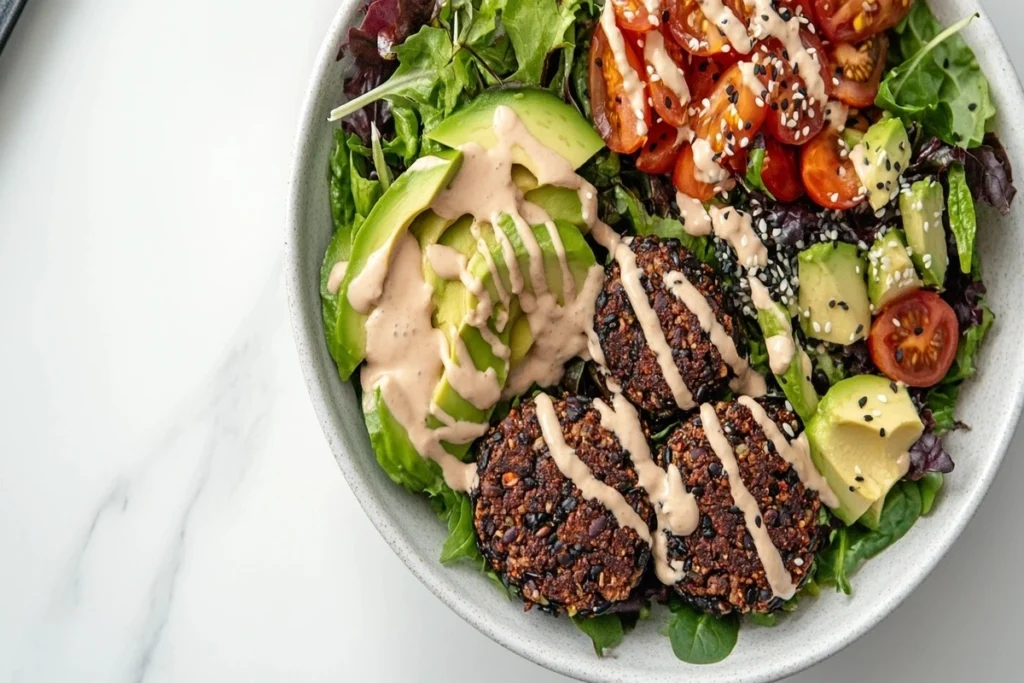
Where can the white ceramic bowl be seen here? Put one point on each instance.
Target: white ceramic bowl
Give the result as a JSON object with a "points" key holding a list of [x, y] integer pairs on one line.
{"points": [[990, 404]]}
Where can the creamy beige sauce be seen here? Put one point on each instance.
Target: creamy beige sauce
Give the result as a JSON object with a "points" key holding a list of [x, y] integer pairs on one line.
{"points": [[797, 453], [335, 277], [367, 287], [576, 471], [735, 228], [747, 380], [481, 389], [779, 579], [781, 350], [696, 220], [727, 23], [664, 68], [496, 280], [788, 33], [404, 362], [762, 299], [706, 169], [447, 262], [675, 507], [631, 83]]}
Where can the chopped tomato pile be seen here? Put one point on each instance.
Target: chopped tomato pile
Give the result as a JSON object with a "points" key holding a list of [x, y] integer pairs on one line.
{"points": [[691, 94]]}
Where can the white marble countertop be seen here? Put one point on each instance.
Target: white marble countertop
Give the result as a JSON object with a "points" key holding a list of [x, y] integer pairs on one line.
{"points": [[169, 510]]}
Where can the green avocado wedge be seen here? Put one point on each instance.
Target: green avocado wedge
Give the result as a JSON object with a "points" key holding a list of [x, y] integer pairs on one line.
{"points": [[409, 196], [554, 123], [775, 321]]}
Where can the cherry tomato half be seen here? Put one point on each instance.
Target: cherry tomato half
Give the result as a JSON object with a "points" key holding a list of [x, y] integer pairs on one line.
{"points": [[702, 76], [780, 172], [732, 117], [796, 116], [611, 107], [684, 177], [696, 33], [851, 21], [665, 100], [658, 155], [858, 68], [914, 339], [632, 15], [829, 177]]}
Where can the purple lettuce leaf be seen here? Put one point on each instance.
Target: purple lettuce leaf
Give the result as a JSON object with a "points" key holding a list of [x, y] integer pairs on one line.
{"points": [[989, 172]]}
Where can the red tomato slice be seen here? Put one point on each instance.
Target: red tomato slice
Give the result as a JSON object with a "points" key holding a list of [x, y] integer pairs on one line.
{"points": [[632, 15], [851, 21], [914, 339], [695, 33], [684, 177], [732, 117], [614, 116], [702, 76], [829, 178], [659, 153], [780, 172], [858, 68], [666, 101], [793, 119]]}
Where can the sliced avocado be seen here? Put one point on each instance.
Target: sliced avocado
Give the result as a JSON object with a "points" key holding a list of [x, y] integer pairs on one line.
{"points": [[859, 440], [880, 159], [922, 209], [795, 380], [561, 203], [409, 196], [833, 296], [554, 123], [890, 270]]}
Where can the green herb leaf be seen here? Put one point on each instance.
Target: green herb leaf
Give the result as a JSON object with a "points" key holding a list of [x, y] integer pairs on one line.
{"points": [[755, 163], [939, 82], [699, 638], [379, 164], [930, 484], [941, 401], [966, 363], [406, 143], [962, 219], [537, 28], [461, 542], [628, 205], [832, 561], [766, 620], [605, 631]]}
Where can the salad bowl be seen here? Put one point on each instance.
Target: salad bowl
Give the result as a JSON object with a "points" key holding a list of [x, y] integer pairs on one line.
{"points": [[991, 404]]}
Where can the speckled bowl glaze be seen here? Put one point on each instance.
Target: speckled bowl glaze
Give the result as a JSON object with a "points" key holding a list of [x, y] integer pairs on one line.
{"points": [[991, 404]]}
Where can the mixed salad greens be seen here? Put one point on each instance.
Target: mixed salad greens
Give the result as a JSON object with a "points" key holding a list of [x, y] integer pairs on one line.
{"points": [[915, 110]]}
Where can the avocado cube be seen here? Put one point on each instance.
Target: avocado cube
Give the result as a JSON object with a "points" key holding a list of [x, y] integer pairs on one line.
{"points": [[880, 159], [922, 208], [890, 271], [833, 296]]}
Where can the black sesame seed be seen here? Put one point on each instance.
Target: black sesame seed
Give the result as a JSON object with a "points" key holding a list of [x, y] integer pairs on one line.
{"points": [[972, 106], [918, 331], [863, 401], [892, 385], [881, 432], [599, 62], [899, 355], [831, 303], [668, 102], [860, 328], [880, 186], [757, 521], [859, 478], [853, 488], [868, 418]]}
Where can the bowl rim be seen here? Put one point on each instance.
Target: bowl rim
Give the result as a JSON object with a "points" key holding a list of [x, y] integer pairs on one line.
{"points": [[309, 337]]}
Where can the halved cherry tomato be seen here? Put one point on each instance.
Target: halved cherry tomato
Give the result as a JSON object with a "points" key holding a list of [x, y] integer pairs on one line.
{"points": [[684, 177], [780, 173], [614, 116], [732, 118], [665, 100], [829, 178], [632, 15], [658, 155], [914, 339], [793, 119], [851, 21], [696, 33], [858, 68], [702, 76]]}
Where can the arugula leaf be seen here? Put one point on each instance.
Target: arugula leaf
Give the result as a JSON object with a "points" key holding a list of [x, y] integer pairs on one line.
{"points": [[604, 630], [537, 28], [962, 219], [699, 638], [939, 83], [755, 163], [929, 485]]}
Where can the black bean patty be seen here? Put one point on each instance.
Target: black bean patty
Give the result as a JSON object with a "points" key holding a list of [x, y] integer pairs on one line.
{"points": [[630, 359], [533, 525], [723, 571]]}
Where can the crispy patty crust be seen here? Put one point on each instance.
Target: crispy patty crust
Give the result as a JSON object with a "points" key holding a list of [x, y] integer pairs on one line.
{"points": [[558, 550], [628, 355], [723, 571]]}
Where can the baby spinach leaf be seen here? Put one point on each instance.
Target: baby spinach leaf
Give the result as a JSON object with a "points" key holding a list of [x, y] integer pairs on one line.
{"points": [[831, 562], [457, 511], [604, 630], [939, 82], [962, 219], [766, 620], [699, 638]]}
